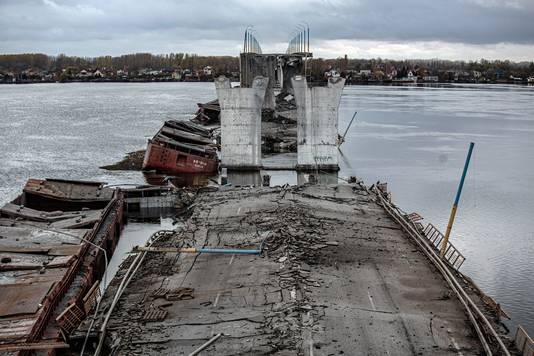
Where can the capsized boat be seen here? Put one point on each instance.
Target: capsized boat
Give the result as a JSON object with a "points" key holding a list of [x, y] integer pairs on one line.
{"points": [[208, 113], [181, 147]]}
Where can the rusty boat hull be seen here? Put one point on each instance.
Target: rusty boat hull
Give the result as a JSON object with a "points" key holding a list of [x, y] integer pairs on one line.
{"points": [[181, 147], [161, 156]]}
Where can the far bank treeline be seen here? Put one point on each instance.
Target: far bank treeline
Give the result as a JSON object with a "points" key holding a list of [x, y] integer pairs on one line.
{"points": [[37, 67], [63, 67]]}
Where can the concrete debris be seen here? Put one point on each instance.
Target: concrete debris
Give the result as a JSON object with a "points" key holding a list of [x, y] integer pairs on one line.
{"points": [[334, 278]]}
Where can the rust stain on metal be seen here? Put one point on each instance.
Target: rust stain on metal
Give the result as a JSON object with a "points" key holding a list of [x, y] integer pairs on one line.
{"points": [[181, 147], [72, 190], [43, 248]]}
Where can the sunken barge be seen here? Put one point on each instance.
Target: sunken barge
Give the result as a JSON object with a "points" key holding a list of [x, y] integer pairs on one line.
{"points": [[55, 239], [181, 147]]}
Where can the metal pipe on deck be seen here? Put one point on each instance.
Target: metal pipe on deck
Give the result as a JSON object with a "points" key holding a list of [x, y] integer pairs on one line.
{"points": [[456, 201], [199, 250], [205, 345]]}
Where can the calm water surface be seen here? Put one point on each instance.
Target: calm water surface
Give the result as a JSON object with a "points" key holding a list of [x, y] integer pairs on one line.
{"points": [[414, 138]]}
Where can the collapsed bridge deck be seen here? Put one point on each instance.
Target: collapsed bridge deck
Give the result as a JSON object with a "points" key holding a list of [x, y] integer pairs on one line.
{"points": [[336, 276]]}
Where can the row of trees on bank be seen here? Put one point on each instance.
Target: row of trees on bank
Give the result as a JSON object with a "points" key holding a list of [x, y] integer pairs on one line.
{"points": [[132, 62], [18, 63]]}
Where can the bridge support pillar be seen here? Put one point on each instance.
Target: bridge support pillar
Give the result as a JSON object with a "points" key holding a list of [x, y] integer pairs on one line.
{"points": [[317, 124], [241, 123]]}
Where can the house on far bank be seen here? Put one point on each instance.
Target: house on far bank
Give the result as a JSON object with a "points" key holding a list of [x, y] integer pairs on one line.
{"points": [[392, 73], [177, 74], [409, 78], [431, 78], [516, 79], [84, 74], [332, 73], [122, 74], [208, 71]]}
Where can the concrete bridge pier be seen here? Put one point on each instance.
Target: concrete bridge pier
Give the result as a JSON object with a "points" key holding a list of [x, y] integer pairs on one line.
{"points": [[317, 124], [241, 123], [253, 65]]}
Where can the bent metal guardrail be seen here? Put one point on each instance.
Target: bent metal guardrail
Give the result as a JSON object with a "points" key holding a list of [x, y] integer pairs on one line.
{"points": [[452, 256], [436, 238]]}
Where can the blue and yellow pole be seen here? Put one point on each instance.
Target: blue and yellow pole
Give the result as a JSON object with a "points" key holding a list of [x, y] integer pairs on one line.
{"points": [[456, 201]]}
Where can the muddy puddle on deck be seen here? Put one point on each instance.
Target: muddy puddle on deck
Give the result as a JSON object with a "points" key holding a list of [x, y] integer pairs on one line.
{"points": [[141, 224], [134, 234]]}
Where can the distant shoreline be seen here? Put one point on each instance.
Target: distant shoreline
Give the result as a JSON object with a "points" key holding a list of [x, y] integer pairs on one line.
{"points": [[361, 83]]}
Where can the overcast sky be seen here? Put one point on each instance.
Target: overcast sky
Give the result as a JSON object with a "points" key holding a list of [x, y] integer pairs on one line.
{"points": [[448, 29]]}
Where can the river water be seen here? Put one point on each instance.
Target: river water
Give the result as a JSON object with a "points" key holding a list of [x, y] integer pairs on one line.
{"points": [[414, 138]]}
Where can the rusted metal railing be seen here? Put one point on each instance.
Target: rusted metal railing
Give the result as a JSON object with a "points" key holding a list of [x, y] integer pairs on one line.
{"points": [[437, 239], [70, 318], [91, 298]]}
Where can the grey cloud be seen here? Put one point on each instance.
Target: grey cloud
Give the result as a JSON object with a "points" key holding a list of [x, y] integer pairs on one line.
{"points": [[129, 26]]}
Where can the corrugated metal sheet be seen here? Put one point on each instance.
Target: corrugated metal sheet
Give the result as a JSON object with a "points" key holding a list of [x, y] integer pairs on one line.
{"points": [[15, 328]]}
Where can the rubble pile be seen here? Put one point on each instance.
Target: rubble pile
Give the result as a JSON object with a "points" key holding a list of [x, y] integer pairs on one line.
{"points": [[296, 242], [132, 161], [285, 102], [279, 128]]}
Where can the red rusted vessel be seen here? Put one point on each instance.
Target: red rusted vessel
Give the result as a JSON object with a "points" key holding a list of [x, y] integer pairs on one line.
{"points": [[181, 147]]}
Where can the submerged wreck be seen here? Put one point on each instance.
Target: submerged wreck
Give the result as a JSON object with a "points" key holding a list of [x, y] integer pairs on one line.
{"points": [[52, 242], [181, 147]]}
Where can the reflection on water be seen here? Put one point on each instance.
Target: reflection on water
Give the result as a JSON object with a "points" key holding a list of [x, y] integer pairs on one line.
{"points": [[244, 178], [415, 138], [183, 180], [135, 234], [317, 177]]}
